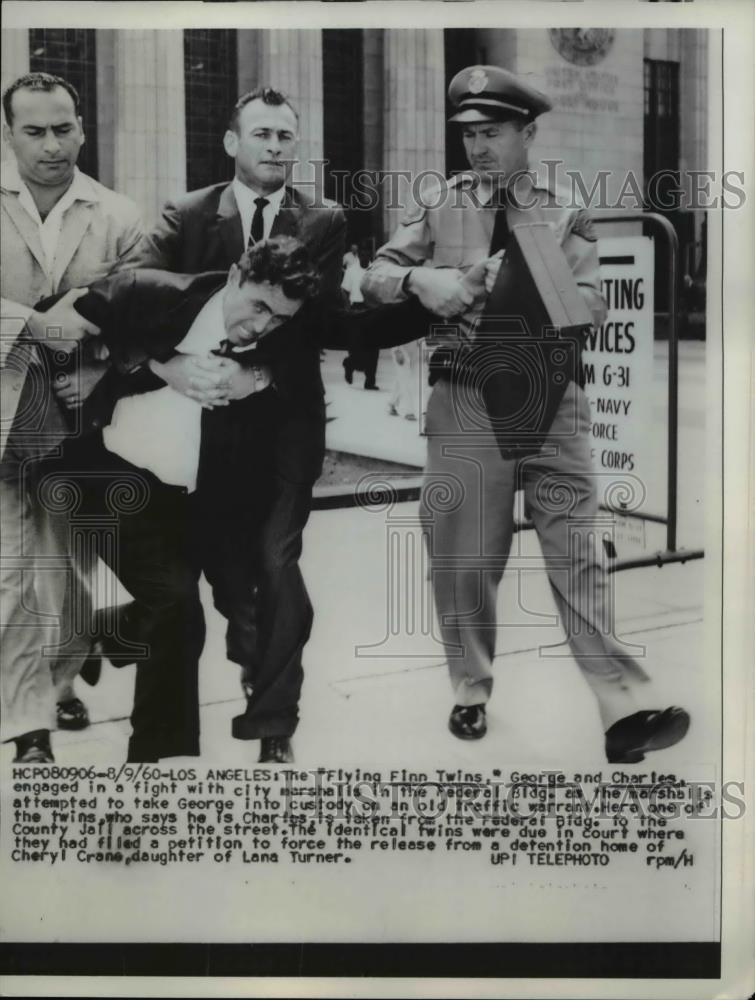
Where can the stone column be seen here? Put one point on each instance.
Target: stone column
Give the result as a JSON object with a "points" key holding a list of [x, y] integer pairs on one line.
{"points": [[247, 58], [291, 61], [150, 118], [414, 136], [15, 55]]}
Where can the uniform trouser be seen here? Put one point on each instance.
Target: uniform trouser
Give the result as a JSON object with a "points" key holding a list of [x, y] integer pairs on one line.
{"points": [[27, 698], [268, 610], [58, 490], [44, 593], [467, 514]]}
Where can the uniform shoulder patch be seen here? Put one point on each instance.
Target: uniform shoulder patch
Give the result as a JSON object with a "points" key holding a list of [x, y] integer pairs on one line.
{"points": [[413, 212]]}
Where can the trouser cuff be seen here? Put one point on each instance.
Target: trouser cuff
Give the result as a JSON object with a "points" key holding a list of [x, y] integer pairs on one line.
{"points": [[246, 727]]}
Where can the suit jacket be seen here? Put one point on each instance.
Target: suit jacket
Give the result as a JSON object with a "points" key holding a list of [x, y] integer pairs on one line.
{"points": [[99, 233], [145, 313], [202, 231]]}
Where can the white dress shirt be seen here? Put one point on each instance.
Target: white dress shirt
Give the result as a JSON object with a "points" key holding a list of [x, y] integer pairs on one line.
{"points": [[161, 430], [245, 200]]}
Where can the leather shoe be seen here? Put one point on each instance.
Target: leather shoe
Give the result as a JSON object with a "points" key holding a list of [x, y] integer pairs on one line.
{"points": [[468, 722], [34, 748], [276, 750], [72, 714], [630, 738]]}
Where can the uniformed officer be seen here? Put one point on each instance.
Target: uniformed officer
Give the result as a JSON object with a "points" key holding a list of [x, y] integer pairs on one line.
{"points": [[469, 532]]}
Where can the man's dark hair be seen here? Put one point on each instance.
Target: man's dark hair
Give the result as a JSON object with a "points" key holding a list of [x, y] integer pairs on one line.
{"points": [[268, 95], [282, 261], [37, 81]]}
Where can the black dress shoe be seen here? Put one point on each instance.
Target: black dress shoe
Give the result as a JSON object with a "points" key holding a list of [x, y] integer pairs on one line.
{"points": [[373, 387], [72, 714], [468, 722], [34, 748], [276, 750], [630, 738], [348, 371]]}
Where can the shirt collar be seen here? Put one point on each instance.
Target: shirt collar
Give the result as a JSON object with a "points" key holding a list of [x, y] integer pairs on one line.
{"points": [[245, 196], [484, 192], [81, 188]]}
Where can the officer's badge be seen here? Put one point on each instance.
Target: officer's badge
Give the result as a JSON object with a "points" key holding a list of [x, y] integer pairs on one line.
{"points": [[478, 81]]}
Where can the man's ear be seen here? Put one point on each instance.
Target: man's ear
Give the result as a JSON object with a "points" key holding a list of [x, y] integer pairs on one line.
{"points": [[231, 142], [234, 276], [7, 134], [81, 129], [530, 131]]}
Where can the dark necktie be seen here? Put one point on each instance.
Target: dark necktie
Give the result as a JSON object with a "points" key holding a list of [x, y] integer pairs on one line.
{"points": [[500, 231], [258, 223], [224, 348]]}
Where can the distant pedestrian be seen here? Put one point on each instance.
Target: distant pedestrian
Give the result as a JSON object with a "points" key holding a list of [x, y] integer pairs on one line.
{"points": [[367, 360]]}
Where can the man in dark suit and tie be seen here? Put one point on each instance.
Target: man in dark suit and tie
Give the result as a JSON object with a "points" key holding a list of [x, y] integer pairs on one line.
{"points": [[208, 230]]}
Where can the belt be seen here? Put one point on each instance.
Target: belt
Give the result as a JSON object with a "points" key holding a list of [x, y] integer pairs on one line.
{"points": [[449, 364]]}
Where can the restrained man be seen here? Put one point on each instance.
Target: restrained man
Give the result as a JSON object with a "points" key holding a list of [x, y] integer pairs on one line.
{"points": [[209, 475], [469, 543]]}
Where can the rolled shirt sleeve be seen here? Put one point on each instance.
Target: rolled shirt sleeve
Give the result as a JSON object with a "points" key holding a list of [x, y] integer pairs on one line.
{"points": [[409, 247]]}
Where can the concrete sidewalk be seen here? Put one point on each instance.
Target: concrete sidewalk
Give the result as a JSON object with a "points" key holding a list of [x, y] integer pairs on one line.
{"points": [[376, 688]]}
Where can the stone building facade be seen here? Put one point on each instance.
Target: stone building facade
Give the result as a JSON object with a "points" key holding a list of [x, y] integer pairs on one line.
{"points": [[156, 102]]}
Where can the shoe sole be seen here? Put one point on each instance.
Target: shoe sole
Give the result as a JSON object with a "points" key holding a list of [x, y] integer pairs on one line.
{"points": [[74, 725], [466, 736], [671, 734]]}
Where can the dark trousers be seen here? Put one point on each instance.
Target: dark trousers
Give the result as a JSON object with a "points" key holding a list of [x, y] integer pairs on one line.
{"points": [[258, 586], [145, 532], [364, 360]]}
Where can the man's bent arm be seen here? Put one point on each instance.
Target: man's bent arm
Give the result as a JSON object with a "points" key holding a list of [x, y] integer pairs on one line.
{"points": [[160, 249], [409, 247], [330, 257], [379, 327]]}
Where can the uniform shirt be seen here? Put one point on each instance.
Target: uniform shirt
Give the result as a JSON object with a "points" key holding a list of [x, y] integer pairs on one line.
{"points": [[161, 430], [457, 231], [245, 200]]}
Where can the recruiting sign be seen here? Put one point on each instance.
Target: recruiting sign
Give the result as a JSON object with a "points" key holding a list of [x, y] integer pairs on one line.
{"points": [[617, 366]]}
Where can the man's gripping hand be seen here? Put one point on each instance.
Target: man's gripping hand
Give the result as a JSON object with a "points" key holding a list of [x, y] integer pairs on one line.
{"points": [[74, 388], [184, 374], [211, 381], [238, 382], [61, 326], [449, 292]]}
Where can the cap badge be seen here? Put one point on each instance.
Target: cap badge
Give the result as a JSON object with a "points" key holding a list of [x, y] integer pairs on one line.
{"points": [[478, 81]]}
